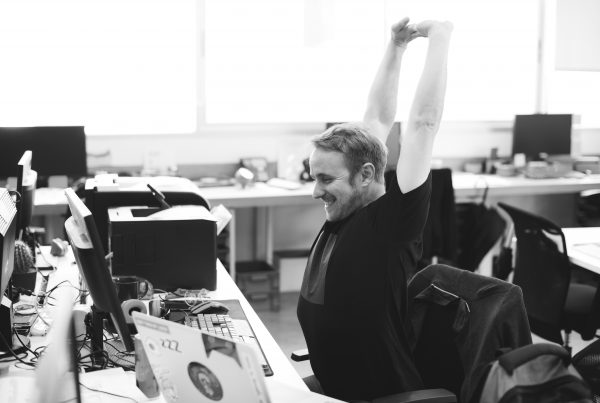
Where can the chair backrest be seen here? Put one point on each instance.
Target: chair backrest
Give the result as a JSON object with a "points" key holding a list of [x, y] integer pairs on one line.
{"points": [[480, 227], [440, 237], [436, 345], [458, 321], [542, 270], [588, 208]]}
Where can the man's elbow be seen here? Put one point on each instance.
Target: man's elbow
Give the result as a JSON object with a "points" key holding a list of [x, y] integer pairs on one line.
{"points": [[427, 125], [427, 122]]}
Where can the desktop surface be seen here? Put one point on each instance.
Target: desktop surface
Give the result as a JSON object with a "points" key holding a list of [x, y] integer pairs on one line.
{"points": [[583, 247], [67, 277]]}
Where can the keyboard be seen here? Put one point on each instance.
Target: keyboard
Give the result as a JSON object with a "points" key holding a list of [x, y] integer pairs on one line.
{"points": [[238, 330]]}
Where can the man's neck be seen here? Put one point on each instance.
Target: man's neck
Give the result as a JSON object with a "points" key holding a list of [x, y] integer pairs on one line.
{"points": [[376, 190]]}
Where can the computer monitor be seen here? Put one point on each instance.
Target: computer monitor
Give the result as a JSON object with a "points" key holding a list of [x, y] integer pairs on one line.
{"points": [[26, 185], [538, 134], [8, 225], [89, 254], [58, 150]]}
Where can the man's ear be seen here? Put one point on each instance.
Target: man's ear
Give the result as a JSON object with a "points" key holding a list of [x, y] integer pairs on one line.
{"points": [[367, 173]]}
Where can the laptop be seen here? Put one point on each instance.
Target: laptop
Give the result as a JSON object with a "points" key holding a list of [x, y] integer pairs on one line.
{"points": [[193, 365], [233, 324]]}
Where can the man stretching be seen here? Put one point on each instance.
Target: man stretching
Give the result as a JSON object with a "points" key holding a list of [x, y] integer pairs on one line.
{"points": [[352, 306]]}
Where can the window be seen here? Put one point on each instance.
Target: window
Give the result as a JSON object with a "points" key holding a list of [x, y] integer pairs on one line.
{"points": [[575, 89], [290, 61], [163, 66], [313, 60], [114, 66]]}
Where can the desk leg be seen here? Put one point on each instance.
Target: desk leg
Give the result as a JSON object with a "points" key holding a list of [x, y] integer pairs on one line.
{"points": [[263, 235], [269, 235], [232, 254]]}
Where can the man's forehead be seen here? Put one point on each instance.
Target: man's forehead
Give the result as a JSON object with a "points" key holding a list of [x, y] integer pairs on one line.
{"points": [[324, 161]]}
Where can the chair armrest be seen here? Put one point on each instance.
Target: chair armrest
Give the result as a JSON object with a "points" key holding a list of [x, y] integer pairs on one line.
{"points": [[300, 355], [424, 396]]}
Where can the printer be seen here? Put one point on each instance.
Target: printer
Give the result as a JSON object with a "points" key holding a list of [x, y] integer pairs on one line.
{"points": [[172, 248]]}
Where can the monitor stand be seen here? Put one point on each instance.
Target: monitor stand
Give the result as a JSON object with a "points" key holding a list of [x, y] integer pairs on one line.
{"points": [[95, 328]]}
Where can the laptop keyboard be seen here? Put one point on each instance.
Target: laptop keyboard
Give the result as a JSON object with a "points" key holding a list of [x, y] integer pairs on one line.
{"points": [[223, 325]]}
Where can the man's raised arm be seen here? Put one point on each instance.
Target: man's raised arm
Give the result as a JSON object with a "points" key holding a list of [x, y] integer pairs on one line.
{"points": [[381, 104], [426, 111]]}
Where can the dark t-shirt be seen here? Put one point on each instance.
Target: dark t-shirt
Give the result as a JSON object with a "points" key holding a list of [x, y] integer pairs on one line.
{"points": [[353, 297]]}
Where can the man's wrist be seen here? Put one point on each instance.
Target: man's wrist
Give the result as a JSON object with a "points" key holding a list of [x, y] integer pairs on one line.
{"points": [[399, 47], [441, 31]]}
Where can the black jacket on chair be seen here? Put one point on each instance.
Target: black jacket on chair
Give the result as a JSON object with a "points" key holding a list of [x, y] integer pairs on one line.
{"points": [[459, 322]]}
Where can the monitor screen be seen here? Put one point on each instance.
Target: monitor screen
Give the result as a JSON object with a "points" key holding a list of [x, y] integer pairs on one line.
{"points": [[58, 150], [26, 185], [89, 254], [8, 225], [541, 133]]}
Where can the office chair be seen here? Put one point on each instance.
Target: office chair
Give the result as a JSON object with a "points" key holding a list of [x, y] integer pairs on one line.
{"points": [[543, 271], [588, 208], [458, 320], [480, 227]]}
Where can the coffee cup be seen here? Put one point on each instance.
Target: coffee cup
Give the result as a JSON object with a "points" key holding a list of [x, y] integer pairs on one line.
{"points": [[132, 287]]}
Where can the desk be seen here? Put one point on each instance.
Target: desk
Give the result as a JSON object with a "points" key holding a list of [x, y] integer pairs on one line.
{"points": [[51, 204], [470, 185], [578, 255], [284, 372], [466, 188]]}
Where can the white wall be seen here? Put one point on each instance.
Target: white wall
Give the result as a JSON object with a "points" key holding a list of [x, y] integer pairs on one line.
{"points": [[214, 146]]}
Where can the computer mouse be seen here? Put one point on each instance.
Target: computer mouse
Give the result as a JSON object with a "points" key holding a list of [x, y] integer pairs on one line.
{"points": [[209, 307]]}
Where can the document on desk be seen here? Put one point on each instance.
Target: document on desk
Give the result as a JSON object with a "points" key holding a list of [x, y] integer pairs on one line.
{"points": [[186, 212], [218, 214]]}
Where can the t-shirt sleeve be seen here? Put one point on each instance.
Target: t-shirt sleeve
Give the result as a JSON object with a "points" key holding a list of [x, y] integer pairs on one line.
{"points": [[401, 217]]}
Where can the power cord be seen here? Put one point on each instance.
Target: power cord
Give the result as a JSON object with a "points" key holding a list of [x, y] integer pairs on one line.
{"points": [[108, 393], [11, 352]]}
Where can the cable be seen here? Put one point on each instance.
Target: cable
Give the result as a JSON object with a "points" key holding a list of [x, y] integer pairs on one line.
{"points": [[39, 248], [10, 356], [24, 344], [108, 393], [10, 350]]}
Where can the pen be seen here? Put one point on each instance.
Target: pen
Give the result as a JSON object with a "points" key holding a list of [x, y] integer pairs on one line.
{"points": [[158, 196]]}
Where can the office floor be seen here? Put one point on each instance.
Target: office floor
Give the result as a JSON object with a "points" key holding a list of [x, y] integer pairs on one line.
{"points": [[284, 327]]}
